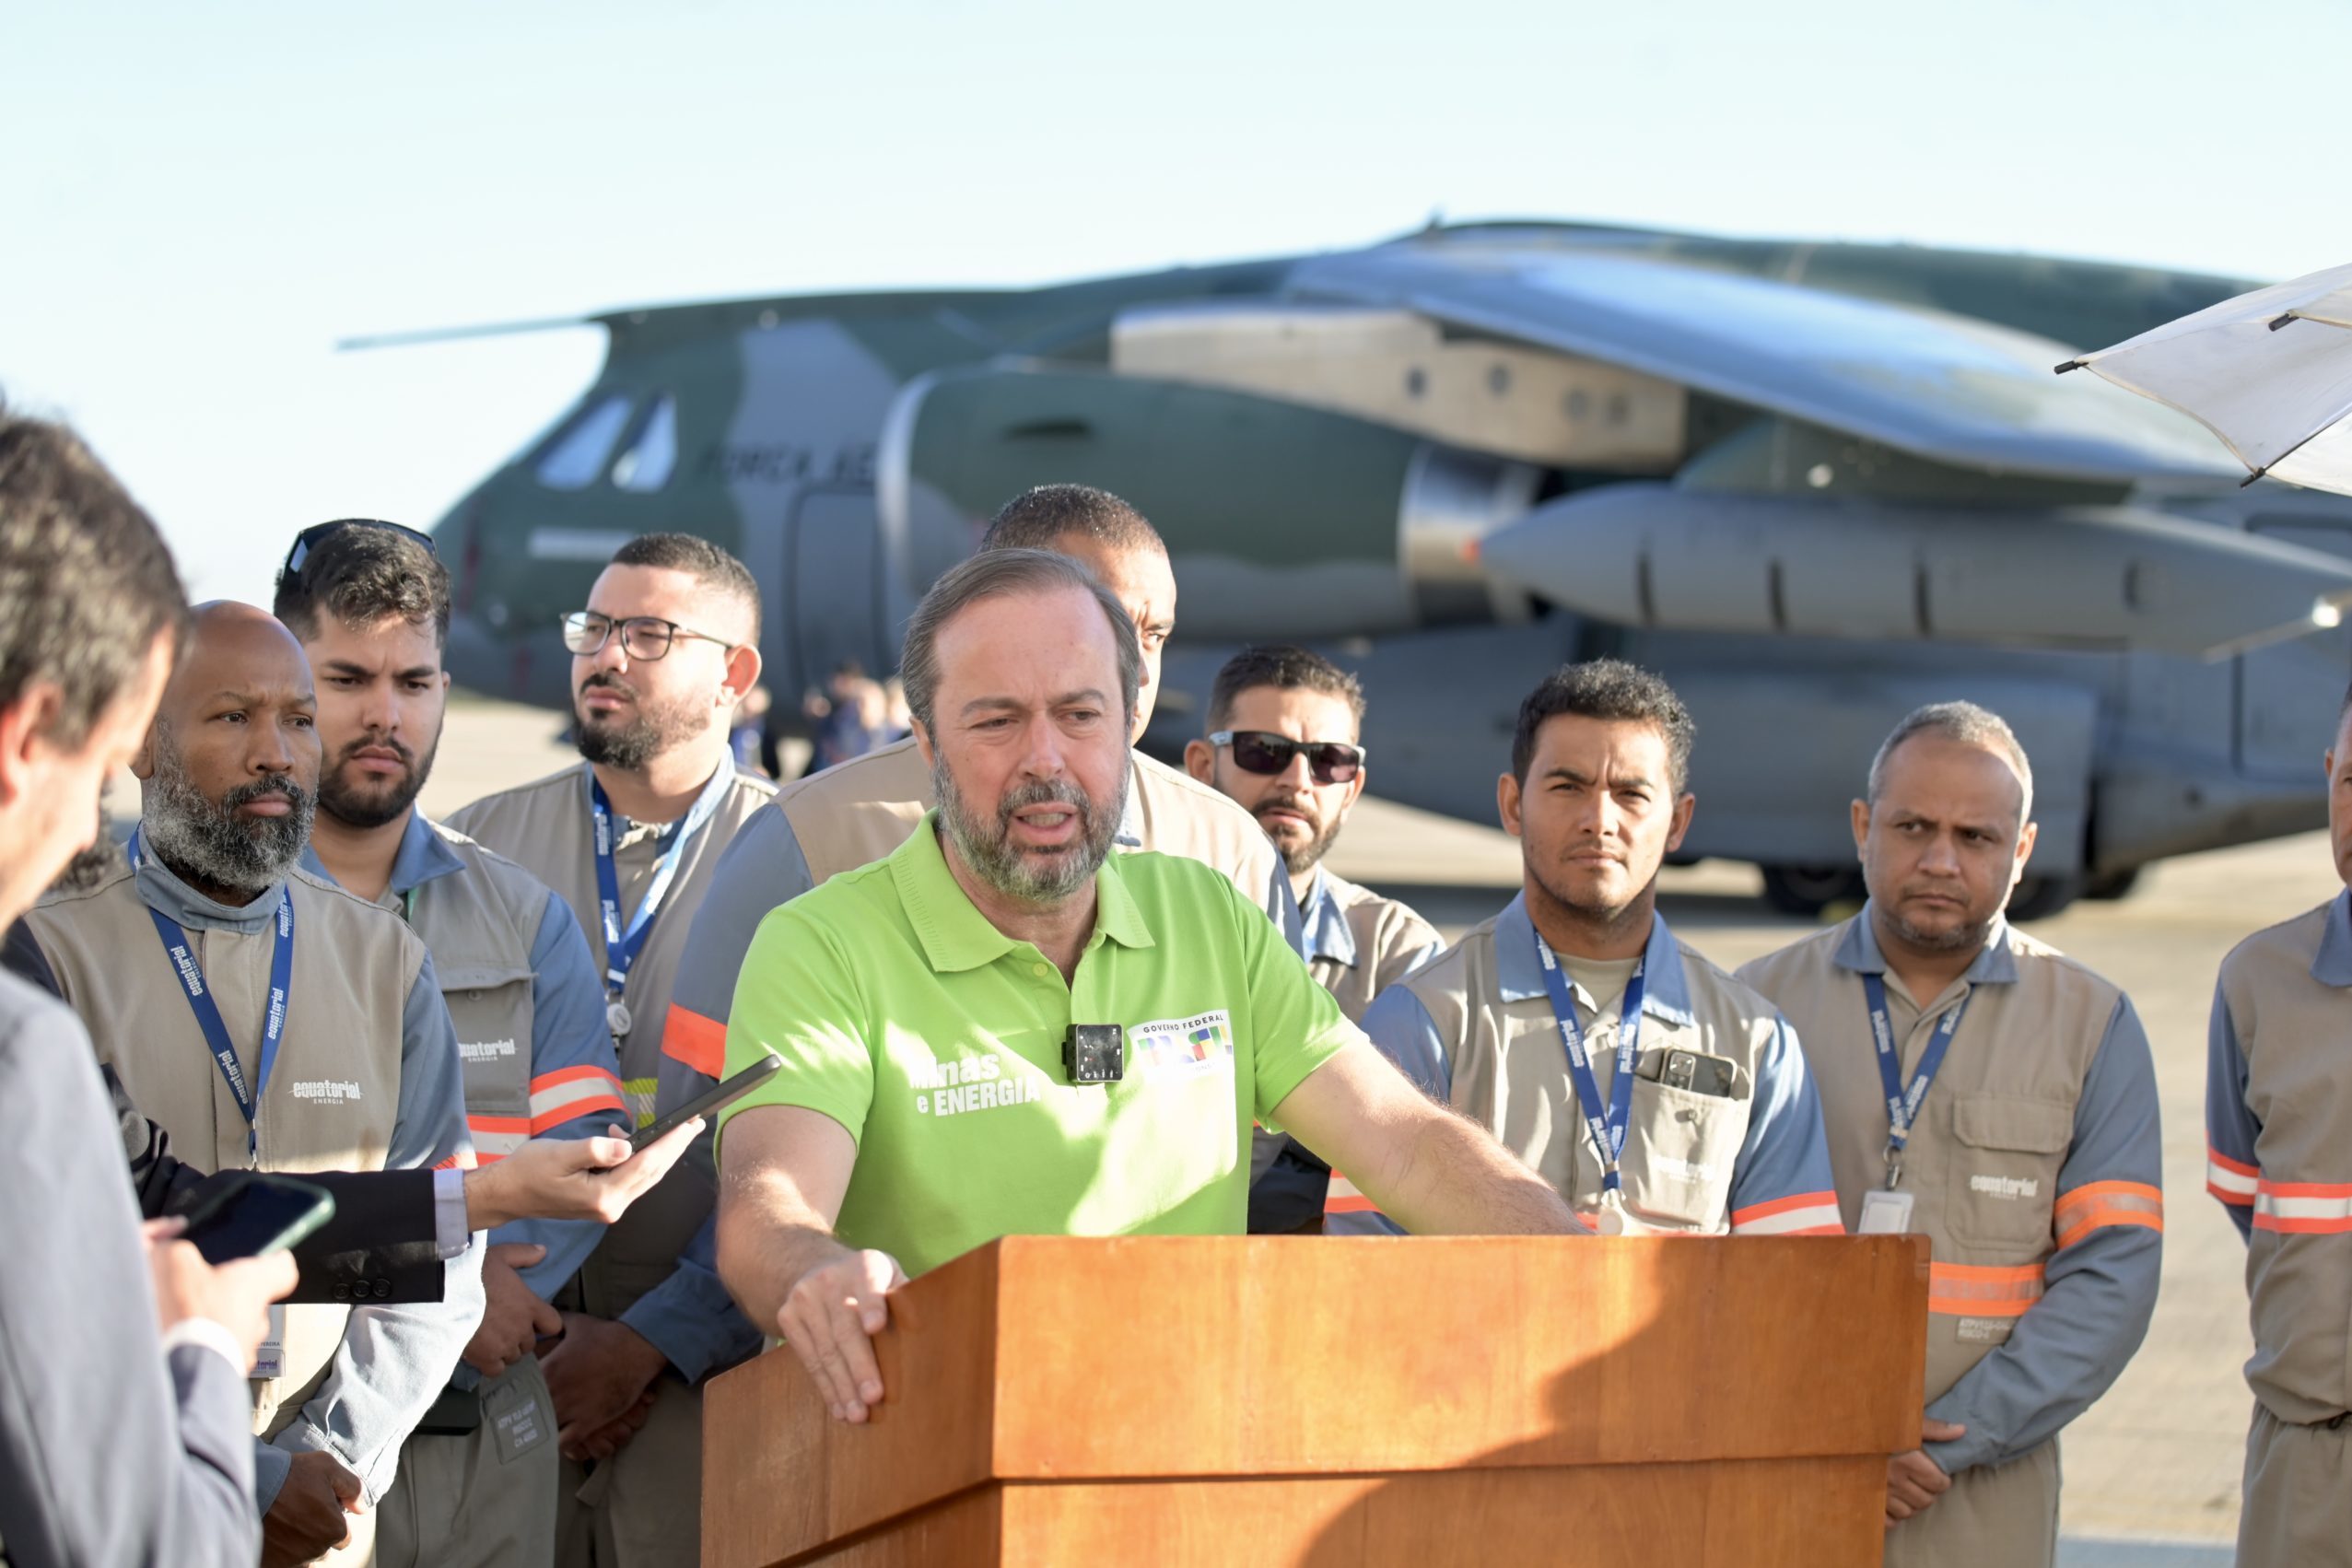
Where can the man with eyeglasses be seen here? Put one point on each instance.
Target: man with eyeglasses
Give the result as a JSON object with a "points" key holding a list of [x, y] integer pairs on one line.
{"points": [[370, 601], [1283, 741], [666, 649], [861, 809]]}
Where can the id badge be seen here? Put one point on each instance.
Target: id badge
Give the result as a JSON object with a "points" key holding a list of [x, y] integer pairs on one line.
{"points": [[1885, 1214], [270, 1360], [517, 1420]]}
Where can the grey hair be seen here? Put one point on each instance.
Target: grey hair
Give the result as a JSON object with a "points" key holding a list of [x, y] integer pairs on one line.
{"points": [[996, 574], [1966, 723]]}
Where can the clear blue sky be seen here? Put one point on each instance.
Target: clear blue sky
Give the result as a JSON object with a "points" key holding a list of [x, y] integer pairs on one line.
{"points": [[203, 199]]}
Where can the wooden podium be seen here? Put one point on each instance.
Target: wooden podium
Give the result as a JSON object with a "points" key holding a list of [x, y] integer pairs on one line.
{"points": [[1307, 1401]]}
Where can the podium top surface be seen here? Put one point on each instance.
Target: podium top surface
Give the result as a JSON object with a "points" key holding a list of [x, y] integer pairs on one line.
{"points": [[1041, 1358]]}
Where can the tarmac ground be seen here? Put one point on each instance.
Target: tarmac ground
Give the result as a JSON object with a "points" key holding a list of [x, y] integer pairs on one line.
{"points": [[2152, 1470]]}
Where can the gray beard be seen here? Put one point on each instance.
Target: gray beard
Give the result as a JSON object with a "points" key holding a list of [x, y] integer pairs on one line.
{"points": [[987, 848], [191, 834]]}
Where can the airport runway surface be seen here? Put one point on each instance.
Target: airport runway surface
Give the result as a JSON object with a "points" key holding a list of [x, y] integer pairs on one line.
{"points": [[2157, 1459]]}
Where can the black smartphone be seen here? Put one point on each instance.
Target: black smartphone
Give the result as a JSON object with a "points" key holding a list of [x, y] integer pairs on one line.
{"points": [[262, 1214], [720, 1096]]}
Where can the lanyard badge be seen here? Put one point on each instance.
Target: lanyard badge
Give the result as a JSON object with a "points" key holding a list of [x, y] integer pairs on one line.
{"points": [[191, 975], [1606, 1126], [1902, 1104], [623, 945]]}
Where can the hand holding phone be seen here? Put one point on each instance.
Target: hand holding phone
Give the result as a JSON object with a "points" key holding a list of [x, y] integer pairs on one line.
{"points": [[236, 1294], [708, 1105]]}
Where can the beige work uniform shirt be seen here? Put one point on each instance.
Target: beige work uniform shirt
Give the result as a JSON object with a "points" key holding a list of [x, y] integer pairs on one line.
{"points": [[2034, 1167], [2279, 1133], [547, 827], [1475, 1027]]}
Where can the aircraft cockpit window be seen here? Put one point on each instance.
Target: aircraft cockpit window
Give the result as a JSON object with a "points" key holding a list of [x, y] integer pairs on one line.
{"points": [[645, 464], [576, 458]]}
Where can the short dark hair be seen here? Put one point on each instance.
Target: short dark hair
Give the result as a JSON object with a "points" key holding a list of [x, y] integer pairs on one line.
{"points": [[86, 581], [700, 559], [994, 574], [1607, 688], [1285, 668], [362, 573], [1042, 518]]}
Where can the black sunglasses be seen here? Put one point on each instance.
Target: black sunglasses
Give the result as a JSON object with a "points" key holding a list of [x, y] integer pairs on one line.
{"points": [[310, 537], [1260, 751]]}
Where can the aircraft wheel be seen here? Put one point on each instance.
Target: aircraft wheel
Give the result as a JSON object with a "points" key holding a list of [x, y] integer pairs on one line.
{"points": [[1809, 889], [2112, 884], [2038, 897]]}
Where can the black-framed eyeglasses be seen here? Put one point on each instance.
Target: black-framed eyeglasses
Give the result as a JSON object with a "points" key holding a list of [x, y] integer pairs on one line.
{"points": [[310, 538], [643, 637], [1262, 751]]}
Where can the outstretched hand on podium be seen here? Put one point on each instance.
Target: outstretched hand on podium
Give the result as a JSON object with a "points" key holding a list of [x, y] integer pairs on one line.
{"points": [[830, 1319]]}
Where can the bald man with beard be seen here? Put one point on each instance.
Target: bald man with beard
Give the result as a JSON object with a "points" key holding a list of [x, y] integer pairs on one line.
{"points": [[266, 1019]]}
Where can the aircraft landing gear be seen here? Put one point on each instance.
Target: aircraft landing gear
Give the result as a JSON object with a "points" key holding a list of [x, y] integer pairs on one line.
{"points": [[1809, 889]]}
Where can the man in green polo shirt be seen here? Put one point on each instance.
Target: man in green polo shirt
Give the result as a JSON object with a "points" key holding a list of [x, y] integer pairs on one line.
{"points": [[923, 1006]]}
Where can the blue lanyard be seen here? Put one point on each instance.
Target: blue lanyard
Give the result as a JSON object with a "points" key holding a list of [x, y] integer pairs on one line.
{"points": [[1607, 1129], [200, 1001], [622, 947], [1903, 1104]]}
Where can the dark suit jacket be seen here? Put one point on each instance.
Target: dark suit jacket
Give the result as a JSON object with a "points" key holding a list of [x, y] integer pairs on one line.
{"points": [[377, 1247]]}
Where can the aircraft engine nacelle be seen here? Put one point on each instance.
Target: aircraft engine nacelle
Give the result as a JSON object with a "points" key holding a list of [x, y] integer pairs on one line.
{"points": [[1283, 522], [1670, 559]]}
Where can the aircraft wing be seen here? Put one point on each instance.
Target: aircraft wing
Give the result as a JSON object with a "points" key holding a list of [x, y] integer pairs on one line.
{"points": [[1943, 387]]}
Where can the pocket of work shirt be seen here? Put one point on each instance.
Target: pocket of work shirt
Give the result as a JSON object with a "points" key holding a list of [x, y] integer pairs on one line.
{"points": [[2006, 1156], [490, 1007], [1679, 1149]]}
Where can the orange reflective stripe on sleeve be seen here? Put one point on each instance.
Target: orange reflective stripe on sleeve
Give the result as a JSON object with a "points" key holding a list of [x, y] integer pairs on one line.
{"points": [[2086, 1209], [1803, 1214], [2231, 1180], [557, 1097], [698, 1042], [1341, 1198], [1961, 1290], [2304, 1208]]}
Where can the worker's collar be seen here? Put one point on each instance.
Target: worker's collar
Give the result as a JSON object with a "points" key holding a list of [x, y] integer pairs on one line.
{"points": [[2333, 966], [1329, 935], [423, 855], [1995, 964], [160, 887], [1518, 973], [630, 832]]}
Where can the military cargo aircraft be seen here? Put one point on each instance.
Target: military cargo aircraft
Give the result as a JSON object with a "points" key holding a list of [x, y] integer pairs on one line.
{"points": [[1814, 484]]}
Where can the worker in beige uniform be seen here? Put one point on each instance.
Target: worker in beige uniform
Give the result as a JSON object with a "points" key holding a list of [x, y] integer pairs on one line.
{"points": [[1986, 1092], [268, 1020], [861, 809], [1655, 1093], [2278, 1136], [370, 601], [1283, 741], [666, 648]]}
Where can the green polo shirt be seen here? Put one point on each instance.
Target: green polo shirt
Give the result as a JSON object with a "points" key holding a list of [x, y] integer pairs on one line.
{"points": [[936, 1040]]}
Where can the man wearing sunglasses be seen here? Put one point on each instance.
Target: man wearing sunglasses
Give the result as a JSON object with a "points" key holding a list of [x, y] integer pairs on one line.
{"points": [[862, 810], [1655, 1093], [1283, 725], [478, 1478], [664, 650]]}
